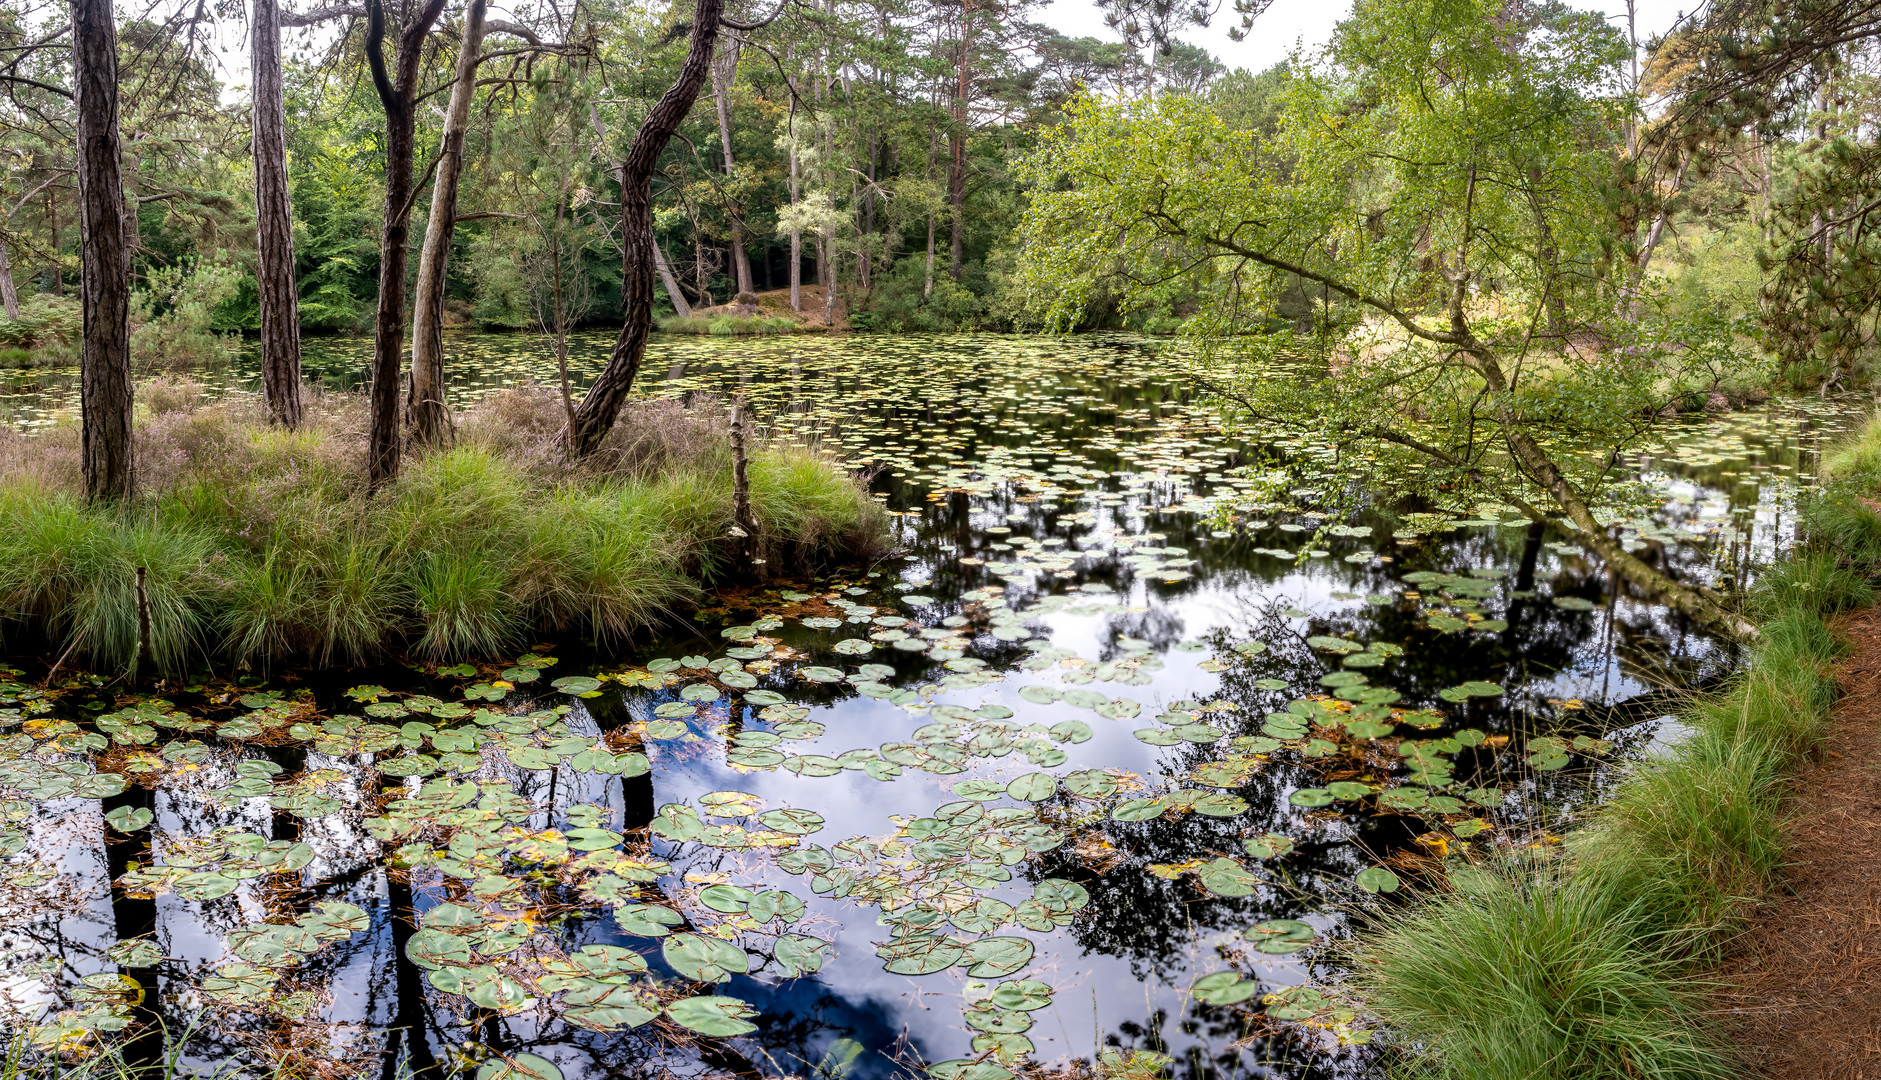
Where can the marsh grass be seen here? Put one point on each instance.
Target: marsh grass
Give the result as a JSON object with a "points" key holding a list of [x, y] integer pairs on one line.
{"points": [[1587, 965], [262, 546]]}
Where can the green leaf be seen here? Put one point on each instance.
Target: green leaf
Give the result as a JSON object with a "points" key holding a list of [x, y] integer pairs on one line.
{"points": [[718, 1017], [703, 959], [128, 819], [519, 1067], [1377, 879]]}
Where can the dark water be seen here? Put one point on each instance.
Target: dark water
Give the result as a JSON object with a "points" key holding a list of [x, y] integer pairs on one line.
{"points": [[1030, 794]]}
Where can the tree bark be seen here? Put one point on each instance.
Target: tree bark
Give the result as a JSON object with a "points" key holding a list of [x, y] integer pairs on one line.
{"points": [[105, 271], [723, 73], [680, 307], [426, 415], [660, 265], [396, 95], [274, 226], [957, 166], [601, 405], [796, 233], [8, 294]]}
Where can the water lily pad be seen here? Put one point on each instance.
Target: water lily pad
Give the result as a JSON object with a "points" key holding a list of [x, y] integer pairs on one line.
{"points": [[703, 959], [519, 1066], [577, 684], [997, 957], [1377, 879], [128, 819], [1223, 988], [717, 1017], [1033, 787]]}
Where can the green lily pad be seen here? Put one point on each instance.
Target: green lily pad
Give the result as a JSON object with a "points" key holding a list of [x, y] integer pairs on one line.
{"points": [[717, 1017]]}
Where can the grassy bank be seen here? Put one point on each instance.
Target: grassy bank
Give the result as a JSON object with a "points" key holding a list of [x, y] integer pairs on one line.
{"points": [[1588, 963], [262, 546], [728, 325]]}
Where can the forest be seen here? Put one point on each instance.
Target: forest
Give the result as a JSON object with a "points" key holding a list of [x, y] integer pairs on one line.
{"points": [[880, 540]]}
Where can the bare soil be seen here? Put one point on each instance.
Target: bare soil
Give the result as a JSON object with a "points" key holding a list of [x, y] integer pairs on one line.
{"points": [[1802, 988]]}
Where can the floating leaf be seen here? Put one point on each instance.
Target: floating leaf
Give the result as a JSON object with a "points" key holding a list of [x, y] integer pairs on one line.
{"points": [[717, 1017], [1377, 879], [519, 1067], [128, 819], [1032, 787], [997, 957], [577, 684], [1223, 988]]}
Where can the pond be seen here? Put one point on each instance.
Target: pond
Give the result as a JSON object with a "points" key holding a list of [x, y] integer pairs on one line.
{"points": [[1094, 773]]}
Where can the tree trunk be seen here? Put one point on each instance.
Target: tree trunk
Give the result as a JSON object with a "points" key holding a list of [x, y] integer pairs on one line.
{"points": [[52, 222], [602, 404], [426, 415], [1652, 584], [723, 73], [927, 282], [396, 95], [8, 294], [105, 270], [274, 226], [796, 233], [680, 307], [957, 166]]}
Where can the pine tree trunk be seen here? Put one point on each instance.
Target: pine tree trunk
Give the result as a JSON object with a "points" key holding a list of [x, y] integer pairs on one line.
{"points": [[105, 270], [396, 95], [426, 415], [8, 294], [601, 406], [927, 282], [723, 73], [680, 307], [957, 166], [796, 234], [274, 225]]}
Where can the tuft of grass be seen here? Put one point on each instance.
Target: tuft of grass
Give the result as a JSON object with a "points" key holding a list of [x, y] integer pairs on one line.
{"points": [[262, 546], [1535, 971]]}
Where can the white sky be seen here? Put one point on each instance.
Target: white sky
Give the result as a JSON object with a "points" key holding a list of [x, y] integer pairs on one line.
{"points": [[1288, 22]]}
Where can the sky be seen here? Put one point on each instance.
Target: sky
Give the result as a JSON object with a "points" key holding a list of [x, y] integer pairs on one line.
{"points": [[1290, 22]]}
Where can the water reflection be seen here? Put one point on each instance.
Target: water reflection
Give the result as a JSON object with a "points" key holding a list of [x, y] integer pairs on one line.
{"points": [[1097, 586]]}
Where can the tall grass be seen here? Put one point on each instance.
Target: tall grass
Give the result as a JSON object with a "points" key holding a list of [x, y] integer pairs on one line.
{"points": [[261, 546], [1586, 966]]}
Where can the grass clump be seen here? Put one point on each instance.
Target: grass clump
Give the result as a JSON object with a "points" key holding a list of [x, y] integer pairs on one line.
{"points": [[1584, 967], [1530, 971], [262, 546]]}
